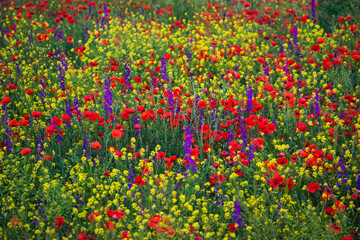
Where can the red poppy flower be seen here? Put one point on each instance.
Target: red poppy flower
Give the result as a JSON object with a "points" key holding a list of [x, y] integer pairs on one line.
{"points": [[109, 226], [13, 123], [137, 79], [92, 216], [25, 151], [139, 181], [47, 158], [169, 163], [330, 211], [81, 236], [268, 87], [340, 206], [29, 92], [336, 228], [167, 56], [80, 50], [289, 184], [93, 64], [312, 187], [36, 114], [315, 48], [232, 228], [301, 127], [239, 172], [71, 20], [356, 57], [5, 100], [116, 133], [271, 128], [160, 155], [15, 221], [276, 181], [320, 40], [258, 142], [23, 122], [282, 161], [154, 221], [66, 117], [59, 221], [289, 97], [117, 214], [70, 39], [11, 85], [355, 196], [96, 145], [148, 114], [271, 167], [50, 129], [91, 116], [311, 60], [57, 121]]}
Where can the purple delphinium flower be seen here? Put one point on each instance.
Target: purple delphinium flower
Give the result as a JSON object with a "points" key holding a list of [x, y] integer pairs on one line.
{"points": [[7, 129], [237, 214], [163, 69], [41, 206], [42, 91], [285, 68], [266, 69], [62, 71], [214, 118], [358, 186], [249, 94], [30, 38], [171, 102], [18, 70], [317, 106], [63, 67], [136, 121], [104, 19], [86, 34], [40, 148], [281, 48], [59, 35], [295, 40], [90, 8], [187, 147], [127, 77], [76, 108], [295, 32], [219, 203], [86, 147], [251, 152], [313, 8], [108, 96]]}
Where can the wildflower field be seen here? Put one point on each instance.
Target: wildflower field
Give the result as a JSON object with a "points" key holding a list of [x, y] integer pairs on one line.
{"points": [[154, 119]]}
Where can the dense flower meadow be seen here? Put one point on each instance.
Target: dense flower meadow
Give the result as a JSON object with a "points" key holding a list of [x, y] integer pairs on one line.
{"points": [[184, 119]]}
